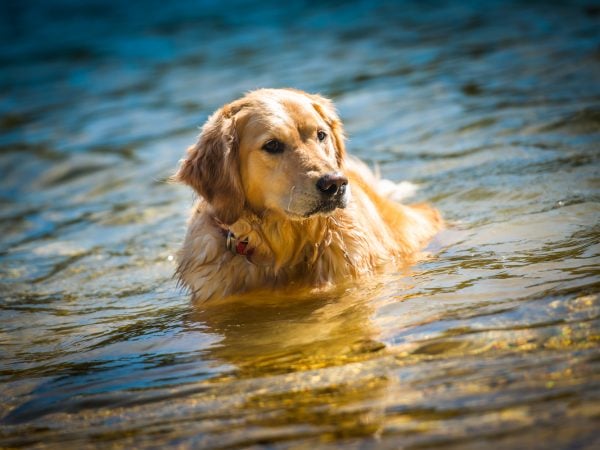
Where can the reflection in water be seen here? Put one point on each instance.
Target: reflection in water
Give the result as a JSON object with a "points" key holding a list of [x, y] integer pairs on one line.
{"points": [[490, 342], [282, 334], [310, 347]]}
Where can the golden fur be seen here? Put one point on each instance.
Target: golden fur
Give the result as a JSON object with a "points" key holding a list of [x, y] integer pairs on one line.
{"points": [[271, 199]]}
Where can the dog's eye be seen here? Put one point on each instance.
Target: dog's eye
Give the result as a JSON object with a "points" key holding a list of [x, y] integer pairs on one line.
{"points": [[273, 146], [321, 135]]}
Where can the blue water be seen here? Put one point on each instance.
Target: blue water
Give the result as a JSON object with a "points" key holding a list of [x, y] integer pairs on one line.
{"points": [[492, 108]]}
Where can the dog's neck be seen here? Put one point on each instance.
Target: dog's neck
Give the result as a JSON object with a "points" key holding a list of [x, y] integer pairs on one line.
{"points": [[277, 241]]}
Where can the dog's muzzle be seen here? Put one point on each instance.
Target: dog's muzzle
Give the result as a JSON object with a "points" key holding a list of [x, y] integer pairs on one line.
{"points": [[334, 193]]}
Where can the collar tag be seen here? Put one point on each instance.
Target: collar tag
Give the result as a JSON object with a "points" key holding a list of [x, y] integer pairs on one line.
{"points": [[230, 241]]}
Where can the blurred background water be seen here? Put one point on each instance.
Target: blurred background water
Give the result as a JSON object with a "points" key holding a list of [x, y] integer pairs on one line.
{"points": [[492, 108]]}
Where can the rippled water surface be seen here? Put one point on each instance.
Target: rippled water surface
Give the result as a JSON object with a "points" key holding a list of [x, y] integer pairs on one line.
{"points": [[492, 108]]}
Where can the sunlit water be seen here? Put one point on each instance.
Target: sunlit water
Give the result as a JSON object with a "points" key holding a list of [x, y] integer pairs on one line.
{"points": [[493, 109]]}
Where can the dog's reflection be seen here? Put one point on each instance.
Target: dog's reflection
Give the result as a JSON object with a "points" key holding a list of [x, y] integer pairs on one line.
{"points": [[266, 333], [302, 355]]}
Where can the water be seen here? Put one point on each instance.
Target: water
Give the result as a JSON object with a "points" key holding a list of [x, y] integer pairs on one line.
{"points": [[492, 108]]}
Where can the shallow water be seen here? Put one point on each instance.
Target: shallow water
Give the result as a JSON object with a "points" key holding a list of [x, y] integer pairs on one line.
{"points": [[493, 109]]}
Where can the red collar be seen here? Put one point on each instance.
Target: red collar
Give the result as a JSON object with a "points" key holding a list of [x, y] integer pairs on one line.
{"points": [[237, 246], [233, 244]]}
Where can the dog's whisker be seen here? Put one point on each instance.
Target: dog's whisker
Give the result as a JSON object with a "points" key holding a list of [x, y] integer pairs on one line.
{"points": [[291, 196]]}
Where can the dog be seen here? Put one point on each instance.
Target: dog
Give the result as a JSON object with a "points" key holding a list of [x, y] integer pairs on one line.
{"points": [[281, 203]]}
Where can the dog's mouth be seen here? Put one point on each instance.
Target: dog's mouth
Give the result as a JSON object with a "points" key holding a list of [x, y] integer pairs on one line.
{"points": [[311, 205], [328, 206]]}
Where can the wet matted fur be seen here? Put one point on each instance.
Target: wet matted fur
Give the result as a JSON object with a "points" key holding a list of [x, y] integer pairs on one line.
{"points": [[271, 169]]}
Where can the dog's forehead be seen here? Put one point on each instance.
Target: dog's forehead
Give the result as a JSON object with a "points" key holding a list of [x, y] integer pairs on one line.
{"points": [[291, 110]]}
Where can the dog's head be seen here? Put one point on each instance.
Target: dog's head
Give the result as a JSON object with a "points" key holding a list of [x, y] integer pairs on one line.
{"points": [[274, 149]]}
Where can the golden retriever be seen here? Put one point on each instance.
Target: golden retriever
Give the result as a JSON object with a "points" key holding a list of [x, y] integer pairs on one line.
{"points": [[281, 204]]}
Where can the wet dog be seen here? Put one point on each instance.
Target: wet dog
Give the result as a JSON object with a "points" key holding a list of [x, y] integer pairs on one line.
{"points": [[281, 203]]}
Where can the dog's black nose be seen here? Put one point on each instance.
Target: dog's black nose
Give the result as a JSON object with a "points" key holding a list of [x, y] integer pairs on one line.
{"points": [[332, 183]]}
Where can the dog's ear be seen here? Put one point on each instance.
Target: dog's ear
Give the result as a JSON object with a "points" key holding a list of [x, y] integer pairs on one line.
{"points": [[325, 108], [211, 166]]}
